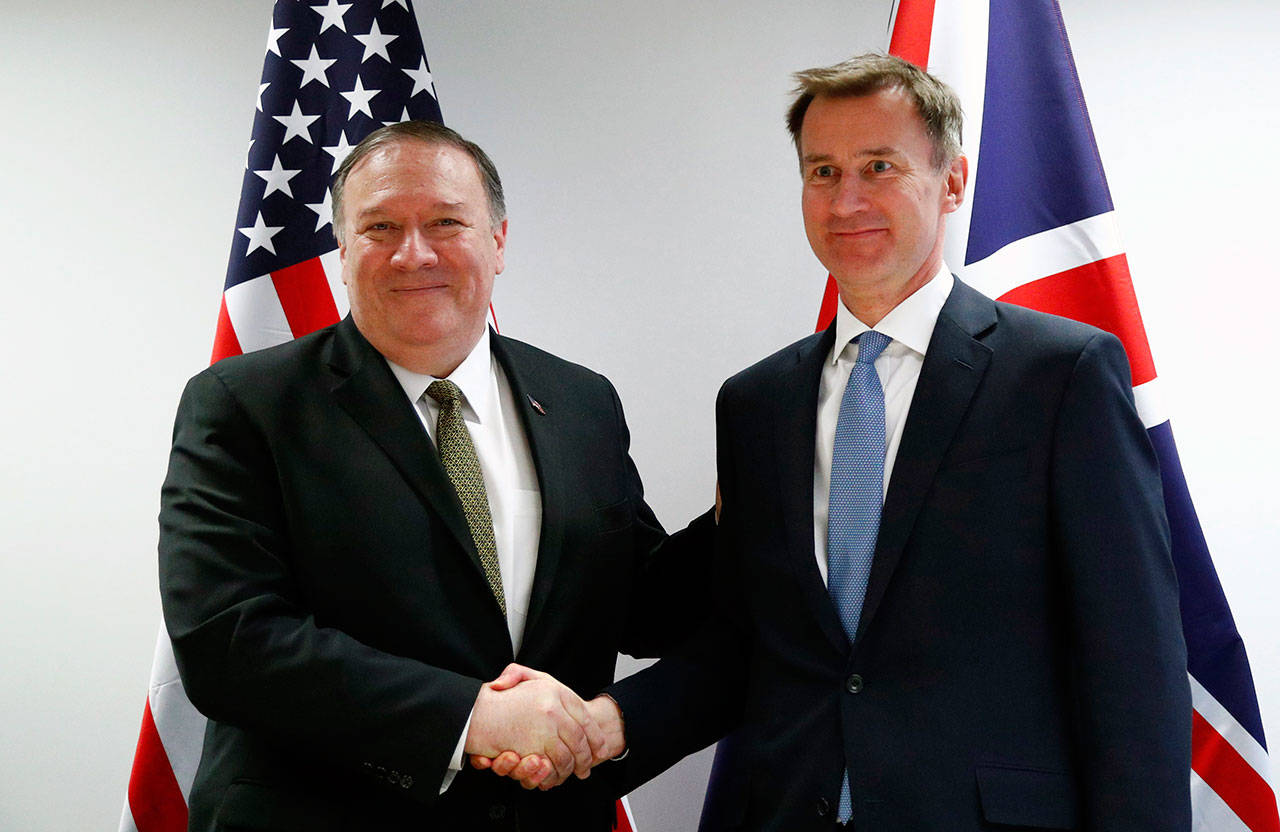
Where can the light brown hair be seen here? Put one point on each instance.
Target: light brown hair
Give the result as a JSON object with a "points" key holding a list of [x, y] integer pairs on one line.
{"points": [[936, 103]]}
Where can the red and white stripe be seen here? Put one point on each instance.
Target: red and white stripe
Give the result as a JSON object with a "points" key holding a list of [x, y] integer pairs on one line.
{"points": [[169, 745], [258, 313], [281, 306], [1231, 773]]}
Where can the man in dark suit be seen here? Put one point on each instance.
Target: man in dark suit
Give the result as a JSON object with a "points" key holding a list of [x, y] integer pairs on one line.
{"points": [[338, 592], [945, 595]]}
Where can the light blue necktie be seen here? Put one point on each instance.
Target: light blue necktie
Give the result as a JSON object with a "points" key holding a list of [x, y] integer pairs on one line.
{"points": [[857, 492]]}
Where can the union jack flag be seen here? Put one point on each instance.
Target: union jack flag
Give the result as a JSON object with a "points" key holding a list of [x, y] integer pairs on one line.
{"points": [[1040, 230]]}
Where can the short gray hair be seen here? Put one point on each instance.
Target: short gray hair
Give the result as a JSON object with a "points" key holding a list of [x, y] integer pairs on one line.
{"points": [[936, 103], [429, 133]]}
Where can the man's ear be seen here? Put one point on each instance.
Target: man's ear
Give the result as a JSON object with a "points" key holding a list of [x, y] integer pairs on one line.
{"points": [[957, 176], [500, 243]]}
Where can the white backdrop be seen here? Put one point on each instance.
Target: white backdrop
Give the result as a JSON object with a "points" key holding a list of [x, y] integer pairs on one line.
{"points": [[655, 235]]}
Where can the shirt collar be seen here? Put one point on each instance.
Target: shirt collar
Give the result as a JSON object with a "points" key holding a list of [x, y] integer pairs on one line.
{"points": [[472, 377], [910, 323]]}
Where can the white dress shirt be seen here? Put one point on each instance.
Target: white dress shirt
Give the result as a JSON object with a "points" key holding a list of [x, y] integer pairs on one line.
{"points": [[510, 480], [910, 325]]}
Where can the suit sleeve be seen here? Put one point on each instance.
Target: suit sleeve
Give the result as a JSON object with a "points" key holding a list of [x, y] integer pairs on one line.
{"points": [[671, 578], [1128, 657], [249, 652], [694, 695]]}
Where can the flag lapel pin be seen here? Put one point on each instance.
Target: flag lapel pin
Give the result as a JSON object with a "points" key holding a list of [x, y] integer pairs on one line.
{"points": [[535, 404]]}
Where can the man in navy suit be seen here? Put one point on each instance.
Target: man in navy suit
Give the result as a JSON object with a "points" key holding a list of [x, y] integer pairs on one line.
{"points": [[945, 600]]}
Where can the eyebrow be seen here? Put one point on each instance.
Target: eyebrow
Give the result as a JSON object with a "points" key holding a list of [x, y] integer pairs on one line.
{"points": [[441, 207], [814, 158]]}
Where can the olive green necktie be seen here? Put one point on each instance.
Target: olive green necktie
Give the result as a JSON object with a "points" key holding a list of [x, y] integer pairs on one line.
{"points": [[463, 467]]}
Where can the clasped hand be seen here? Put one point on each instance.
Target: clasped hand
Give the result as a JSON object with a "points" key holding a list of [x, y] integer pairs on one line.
{"points": [[531, 728]]}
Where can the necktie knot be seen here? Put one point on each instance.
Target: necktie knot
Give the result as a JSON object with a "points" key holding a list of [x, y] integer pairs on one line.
{"points": [[444, 391], [870, 345]]}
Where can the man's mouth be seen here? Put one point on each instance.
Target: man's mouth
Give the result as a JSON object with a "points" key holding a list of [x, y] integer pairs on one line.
{"points": [[423, 288]]}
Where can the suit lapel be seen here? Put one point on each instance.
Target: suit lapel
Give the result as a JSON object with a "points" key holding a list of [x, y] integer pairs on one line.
{"points": [[796, 422], [953, 367], [370, 394], [543, 421]]}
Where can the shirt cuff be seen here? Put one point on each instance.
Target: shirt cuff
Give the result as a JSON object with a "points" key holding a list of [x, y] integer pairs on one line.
{"points": [[455, 764]]}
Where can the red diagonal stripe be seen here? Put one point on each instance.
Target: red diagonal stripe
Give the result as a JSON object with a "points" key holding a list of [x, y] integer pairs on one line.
{"points": [[1235, 781], [155, 800], [1100, 294], [225, 342], [305, 297], [621, 823], [830, 297], [912, 30]]}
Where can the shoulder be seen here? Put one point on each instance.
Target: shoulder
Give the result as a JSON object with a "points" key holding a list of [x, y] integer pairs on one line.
{"points": [[532, 360], [536, 365], [1046, 331], [1030, 353], [1026, 338], [1050, 346], [271, 373], [999, 324], [554, 381], [780, 369]]}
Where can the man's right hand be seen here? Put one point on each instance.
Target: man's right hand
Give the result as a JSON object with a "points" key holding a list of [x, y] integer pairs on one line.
{"points": [[534, 771], [530, 713]]}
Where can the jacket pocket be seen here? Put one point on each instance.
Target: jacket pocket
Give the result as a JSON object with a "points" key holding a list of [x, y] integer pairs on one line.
{"points": [[1027, 797], [263, 807], [998, 465], [615, 516]]}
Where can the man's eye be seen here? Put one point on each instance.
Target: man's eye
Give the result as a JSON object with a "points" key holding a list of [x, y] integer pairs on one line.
{"points": [[880, 166], [824, 171]]}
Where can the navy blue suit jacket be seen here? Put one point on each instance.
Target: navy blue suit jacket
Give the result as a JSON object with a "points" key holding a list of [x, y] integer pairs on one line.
{"points": [[1019, 661]]}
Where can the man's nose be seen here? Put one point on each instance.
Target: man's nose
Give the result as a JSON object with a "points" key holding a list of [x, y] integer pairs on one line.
{"points": [[850, 197], [414, 252]]}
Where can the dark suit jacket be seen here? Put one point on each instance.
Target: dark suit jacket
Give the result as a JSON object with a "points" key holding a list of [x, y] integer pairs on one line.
{"points": [[1019, 661], [327, 607]]}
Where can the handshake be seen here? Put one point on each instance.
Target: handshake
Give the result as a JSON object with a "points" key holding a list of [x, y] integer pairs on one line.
{"points": [[531, 728]]}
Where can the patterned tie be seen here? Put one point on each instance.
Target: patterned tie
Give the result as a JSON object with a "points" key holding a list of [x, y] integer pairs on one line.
{"points": [[459, 458], [857, 492]]}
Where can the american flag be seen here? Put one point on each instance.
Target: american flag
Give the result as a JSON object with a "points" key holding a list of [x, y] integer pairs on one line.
{"points": [[333, 73], [1040, 230]]}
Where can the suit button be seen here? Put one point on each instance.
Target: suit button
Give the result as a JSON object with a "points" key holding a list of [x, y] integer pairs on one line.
{"points": [[824, 807], [853, 684], [497, 811]]}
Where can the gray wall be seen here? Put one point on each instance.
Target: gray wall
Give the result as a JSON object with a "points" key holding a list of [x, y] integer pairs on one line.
{"points": [[655, 235]]}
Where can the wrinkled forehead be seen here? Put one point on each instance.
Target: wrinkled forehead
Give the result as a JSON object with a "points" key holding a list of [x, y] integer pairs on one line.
{"points": [[409, 155]]}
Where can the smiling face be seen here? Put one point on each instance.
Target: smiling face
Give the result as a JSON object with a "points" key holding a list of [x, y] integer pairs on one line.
{"points": [[419, 254], [874, 204]]}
